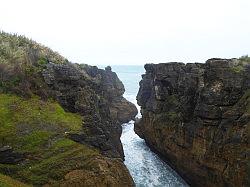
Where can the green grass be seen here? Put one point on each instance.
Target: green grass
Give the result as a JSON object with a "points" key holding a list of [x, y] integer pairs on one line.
{"points": [[37, 128], [40, 119], [28, 124], [54, 162], [34, 140], [240, 66], [62, 143], [42, 61], [34, 114], [6, 181], [65, 157]]}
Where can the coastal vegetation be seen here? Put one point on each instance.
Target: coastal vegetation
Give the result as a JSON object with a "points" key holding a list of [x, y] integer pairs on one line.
{"points": [[44, 128]]}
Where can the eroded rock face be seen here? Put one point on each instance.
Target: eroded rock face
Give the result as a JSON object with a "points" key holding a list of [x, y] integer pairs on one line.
{"points": [[120, 109], [97, 95], [197, 116]]}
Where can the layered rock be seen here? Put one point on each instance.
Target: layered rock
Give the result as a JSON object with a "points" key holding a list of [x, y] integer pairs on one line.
{"points": [[197, 116], [97, 95], [113, 89]]}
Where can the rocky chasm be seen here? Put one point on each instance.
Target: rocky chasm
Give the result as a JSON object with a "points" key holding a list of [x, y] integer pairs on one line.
{"points": [[197, 117], [60, 122]]}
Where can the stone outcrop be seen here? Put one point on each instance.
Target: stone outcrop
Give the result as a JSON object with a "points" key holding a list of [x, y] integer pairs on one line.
{"points": [[8, 156], [60, 123], [120, 109], [97, 95], [197, 116]]}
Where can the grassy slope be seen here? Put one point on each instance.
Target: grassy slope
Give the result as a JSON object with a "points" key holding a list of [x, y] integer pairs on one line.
{"points": [[6, 181], [37, 128], [20, 49], [32, 126], [21, 64]]}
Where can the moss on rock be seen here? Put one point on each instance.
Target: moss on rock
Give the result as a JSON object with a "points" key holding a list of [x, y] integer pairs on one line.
{"points": [[37, 129]]}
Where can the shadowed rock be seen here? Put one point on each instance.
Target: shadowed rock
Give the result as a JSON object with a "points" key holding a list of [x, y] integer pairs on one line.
{"points": [[8, 156], [197, 116], [97, 95]]}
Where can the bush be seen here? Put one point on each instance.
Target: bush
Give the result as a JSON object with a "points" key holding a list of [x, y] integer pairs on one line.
{"points": [[245, 58], [21, 64]]}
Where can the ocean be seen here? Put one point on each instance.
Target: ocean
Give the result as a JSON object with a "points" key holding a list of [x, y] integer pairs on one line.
{"points": [[146, 168]]}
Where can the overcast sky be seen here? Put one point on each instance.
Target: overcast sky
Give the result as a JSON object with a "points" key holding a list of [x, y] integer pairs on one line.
{"points": [[133, 31]]}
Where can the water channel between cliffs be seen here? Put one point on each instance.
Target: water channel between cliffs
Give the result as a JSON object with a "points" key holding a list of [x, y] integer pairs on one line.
{"points": [[146, 168]]}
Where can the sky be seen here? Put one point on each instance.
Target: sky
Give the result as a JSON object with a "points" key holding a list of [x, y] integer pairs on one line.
{"points": [[133, 32]]}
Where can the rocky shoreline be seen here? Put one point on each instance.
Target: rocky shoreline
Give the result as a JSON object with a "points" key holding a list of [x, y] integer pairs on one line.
{"points": [[196, 116]]}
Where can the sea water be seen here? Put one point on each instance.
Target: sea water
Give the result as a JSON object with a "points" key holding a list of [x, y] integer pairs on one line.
{"points": [[146, 168]]}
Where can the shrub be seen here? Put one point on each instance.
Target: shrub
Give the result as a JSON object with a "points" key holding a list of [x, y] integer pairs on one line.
{"points": [[21, 64], [245, 58]]}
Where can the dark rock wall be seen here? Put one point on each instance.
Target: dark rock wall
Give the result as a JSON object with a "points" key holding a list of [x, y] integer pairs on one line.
{"points": [[197, 116], [97, 95]]}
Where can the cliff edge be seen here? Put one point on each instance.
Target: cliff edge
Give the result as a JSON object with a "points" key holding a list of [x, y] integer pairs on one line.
{"points": [[197, 116], [60, 122]]}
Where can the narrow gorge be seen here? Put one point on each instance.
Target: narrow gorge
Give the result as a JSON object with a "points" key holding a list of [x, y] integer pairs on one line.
{"points": [[146, 168], [68, 124]]}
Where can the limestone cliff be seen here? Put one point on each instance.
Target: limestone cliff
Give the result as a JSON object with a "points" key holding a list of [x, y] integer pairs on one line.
{"points": [[197, 116], [60, 122]]}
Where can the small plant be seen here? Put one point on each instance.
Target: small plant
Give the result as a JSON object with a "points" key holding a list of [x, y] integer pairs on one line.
{"points": [[245, 58], [237, 69], [42, 61]]}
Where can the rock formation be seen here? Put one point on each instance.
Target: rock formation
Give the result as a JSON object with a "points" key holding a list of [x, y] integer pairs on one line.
{"points": [[96, 94], [60, 123], [197, 116]]}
